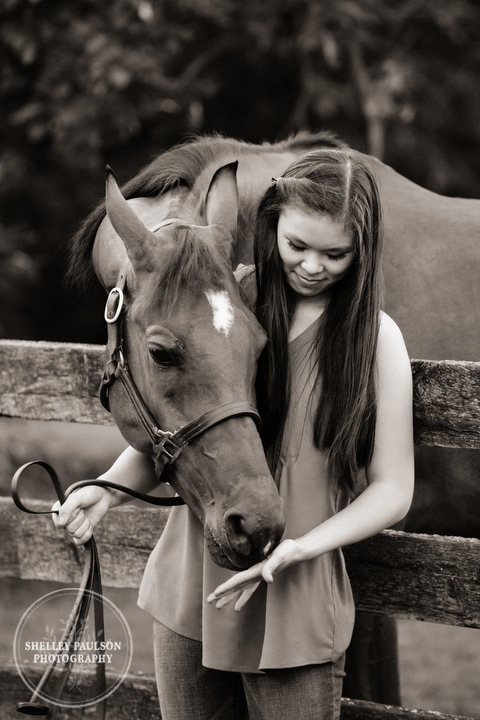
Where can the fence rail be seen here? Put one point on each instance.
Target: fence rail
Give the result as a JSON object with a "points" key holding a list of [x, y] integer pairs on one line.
{"points": [[404, 575], [59, 381], [424, 577]]}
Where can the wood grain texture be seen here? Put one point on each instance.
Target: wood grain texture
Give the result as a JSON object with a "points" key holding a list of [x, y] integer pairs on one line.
{"points": [[361, 710], [51, 381], [446, 401], [423, 577]]}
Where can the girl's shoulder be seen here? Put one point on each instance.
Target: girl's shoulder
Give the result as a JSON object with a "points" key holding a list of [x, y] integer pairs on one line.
{"points": [[388, 325], [391, 348], [388, 328]]}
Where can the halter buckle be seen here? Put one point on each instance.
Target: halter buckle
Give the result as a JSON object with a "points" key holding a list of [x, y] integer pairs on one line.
{"points": [[173, 451], [114, 305]]}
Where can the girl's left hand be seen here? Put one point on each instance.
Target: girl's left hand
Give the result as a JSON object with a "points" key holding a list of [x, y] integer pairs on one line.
{"points": [[241, 586]]}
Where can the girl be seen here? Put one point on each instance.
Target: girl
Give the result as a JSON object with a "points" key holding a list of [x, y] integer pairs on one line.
{"points": [[335, 394]]}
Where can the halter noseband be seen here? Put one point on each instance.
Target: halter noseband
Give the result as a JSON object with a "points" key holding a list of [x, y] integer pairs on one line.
{"points": [[167, 445]]}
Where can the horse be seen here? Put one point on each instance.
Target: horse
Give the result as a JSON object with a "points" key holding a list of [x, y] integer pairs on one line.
{"points": [[185, 348], [431, 291]]}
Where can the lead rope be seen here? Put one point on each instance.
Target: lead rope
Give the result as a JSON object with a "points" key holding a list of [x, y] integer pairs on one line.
{"points": [[90, 584]]}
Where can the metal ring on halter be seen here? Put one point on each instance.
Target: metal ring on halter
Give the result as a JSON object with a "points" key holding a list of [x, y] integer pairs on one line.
{"points": [[110, 315]]}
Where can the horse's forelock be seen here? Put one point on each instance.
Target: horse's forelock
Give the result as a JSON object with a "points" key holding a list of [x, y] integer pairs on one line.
{"points": [[194, 264]]}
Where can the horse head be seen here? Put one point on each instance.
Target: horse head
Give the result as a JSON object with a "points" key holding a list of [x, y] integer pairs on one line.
{"points": [[191, 346]]}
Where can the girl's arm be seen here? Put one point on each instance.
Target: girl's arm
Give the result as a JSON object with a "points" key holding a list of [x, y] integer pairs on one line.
{"points": [[85, 507], [390, 476]]}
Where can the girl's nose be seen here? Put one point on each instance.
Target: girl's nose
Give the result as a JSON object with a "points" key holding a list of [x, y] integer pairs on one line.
{"points": [[312, 264]]}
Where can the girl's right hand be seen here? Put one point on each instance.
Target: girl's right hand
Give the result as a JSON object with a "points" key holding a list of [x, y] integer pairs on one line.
{"points": [[82, 511]]}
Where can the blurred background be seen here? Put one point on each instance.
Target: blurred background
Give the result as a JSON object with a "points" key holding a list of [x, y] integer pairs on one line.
{"points": [[83, 83]]}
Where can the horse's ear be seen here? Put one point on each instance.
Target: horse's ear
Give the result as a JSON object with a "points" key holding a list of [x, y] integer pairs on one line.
{"points": [[221, 201], [126, 223]]}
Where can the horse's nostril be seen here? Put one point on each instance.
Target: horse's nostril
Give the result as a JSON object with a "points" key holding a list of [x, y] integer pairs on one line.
{"points": [[237, 524], [237, 532], [252, 528]]}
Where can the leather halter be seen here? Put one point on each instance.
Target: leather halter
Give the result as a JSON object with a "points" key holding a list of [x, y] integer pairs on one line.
{"points": [[167, 445]]}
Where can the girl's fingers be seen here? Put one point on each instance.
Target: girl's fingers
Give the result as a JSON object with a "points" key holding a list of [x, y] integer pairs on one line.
{"points": [[240, 587], [81, 512], [272, 565], [226, 599], [241, 597], [79, 499], [267, 574], [67, 512], [67, 520], [240, 581], [78, 517], [246, 595], [78, 527], [85, 537], [82, 528]]}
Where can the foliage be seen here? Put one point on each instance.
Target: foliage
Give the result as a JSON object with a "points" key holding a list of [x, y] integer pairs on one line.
{"points": [[85, 82]]}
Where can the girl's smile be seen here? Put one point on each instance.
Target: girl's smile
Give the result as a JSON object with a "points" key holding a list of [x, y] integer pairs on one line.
{"points": [[316, 251]]}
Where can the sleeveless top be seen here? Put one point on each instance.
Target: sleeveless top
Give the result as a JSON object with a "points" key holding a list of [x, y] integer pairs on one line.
{"points": [[306, 615]]}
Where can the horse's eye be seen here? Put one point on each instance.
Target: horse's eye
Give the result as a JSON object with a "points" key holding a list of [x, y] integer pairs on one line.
{"points": [[162, 356]]}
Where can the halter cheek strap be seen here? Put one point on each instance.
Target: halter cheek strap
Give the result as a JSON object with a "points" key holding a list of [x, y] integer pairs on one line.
{"points": [[167, 445]]}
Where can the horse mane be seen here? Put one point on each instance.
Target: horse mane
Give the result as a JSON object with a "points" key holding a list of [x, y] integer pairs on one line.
{"points": [[178, 167]]}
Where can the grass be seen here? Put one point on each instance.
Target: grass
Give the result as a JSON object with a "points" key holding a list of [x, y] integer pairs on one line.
{"points": [[439, 664]]}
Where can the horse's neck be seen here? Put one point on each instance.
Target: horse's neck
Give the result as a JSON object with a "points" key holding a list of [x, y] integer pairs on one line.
{"points": [[424, 212]]}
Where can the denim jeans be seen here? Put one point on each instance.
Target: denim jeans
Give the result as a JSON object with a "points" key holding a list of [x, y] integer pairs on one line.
{"points": [[189, 691]]}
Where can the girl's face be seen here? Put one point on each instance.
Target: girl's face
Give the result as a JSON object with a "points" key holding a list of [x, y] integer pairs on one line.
{"points": [[315, 250]]}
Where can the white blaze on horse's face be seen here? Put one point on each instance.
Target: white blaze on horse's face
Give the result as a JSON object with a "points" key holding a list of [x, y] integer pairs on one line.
{"points": [[222, 310]]}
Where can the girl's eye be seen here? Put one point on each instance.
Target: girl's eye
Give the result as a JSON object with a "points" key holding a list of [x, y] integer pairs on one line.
{"points": [[337, 257], [298, 248]]}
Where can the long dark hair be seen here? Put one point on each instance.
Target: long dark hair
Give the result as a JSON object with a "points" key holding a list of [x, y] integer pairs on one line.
{"points": [[336, 183]]}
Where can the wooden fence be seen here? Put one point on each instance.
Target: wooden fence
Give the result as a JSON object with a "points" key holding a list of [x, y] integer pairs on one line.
{"points": [[423, 577]]}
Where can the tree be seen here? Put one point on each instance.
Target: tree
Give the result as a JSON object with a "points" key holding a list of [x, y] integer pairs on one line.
{"points": [[83, 83]]}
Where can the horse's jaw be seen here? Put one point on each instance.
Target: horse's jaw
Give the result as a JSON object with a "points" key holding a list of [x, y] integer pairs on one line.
{"points": [[243, 517]]}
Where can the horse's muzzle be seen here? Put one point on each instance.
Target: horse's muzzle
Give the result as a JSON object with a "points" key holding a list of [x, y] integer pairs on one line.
{"points": [[248, 531]]}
